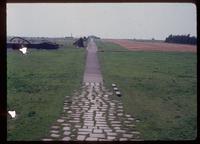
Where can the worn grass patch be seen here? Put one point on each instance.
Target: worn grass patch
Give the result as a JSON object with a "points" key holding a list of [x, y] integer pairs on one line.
{"points": [[36, 86], [159, 88]]}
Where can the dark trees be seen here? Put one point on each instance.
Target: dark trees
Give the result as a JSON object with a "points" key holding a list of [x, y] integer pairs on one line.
{"points": [[182, 39]]}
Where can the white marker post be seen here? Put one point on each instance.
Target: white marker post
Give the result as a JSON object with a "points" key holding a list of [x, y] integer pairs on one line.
{"points": [[12, 113]]}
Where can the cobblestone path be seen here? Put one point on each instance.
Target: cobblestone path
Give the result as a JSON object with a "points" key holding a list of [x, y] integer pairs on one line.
{"points": [[93, 115]]}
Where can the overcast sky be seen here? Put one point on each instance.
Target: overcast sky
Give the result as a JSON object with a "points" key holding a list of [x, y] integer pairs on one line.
{"points": [[106, 20]]}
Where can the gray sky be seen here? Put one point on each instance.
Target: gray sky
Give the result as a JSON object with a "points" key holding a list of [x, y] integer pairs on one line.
{"points": [[106, 20]]}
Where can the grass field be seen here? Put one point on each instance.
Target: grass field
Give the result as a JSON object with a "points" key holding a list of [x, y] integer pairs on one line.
{"points": [[159, 88], [36, 86]]}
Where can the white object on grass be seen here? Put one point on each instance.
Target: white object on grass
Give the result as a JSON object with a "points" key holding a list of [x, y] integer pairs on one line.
{"points": [[115, 88], [118, 93], [23, 50], [12, 113], [114, 85]]}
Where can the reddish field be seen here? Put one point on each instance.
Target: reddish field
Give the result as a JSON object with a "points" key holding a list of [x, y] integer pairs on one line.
{"points": [[153, 46]]}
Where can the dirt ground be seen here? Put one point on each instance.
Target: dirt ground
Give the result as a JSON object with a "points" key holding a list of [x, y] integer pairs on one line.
{"points": [[153, 46]]}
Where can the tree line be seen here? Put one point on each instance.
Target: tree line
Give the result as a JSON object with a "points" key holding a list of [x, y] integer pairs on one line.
{"points": [[182, 39]]}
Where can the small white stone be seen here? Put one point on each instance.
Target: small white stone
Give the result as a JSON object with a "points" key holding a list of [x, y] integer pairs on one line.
{"points": [[121, 131], [83, 132], [66, 138], [86, 130], [97, 84], [91, 139], [111, 134], [55, 135], [130, 118], [65, 124], [66, 128], [137, 120], [128, 135], [128, 115], [54, 131], [135, 132], [110, 138], [114, 85], [97, 135], [81, 137], [45, 139], [115, 88], [98, 131], [66, 133], [55, 127], [118, 93], [60, 120], [123, 139], [120, 114]]}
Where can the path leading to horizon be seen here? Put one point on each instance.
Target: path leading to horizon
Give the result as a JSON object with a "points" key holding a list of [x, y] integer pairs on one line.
{"points": [[92, 113], [92, 68]]}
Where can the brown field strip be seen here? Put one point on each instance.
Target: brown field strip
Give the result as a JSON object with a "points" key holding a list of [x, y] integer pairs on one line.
{"points": [[153, 46]]}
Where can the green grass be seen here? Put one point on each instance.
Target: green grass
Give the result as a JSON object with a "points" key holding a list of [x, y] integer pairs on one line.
{"points": [[36, 86], [159, 88]]}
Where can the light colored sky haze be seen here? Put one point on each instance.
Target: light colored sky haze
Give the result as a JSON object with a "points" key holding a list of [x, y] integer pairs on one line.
{"points": [[106, 20]]}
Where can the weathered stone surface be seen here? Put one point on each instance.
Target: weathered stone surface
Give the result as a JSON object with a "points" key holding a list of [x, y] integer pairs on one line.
{"points": [[89, 124], [121, 131], [55, 127], [114, 122], [66, 138], [81, 137], [108, 130], [93, 116], [55, 135], [54, 131], [111, 134], [65, 124], [97, 135], [97, 131], [77, 126], [100, 139], [110, 138], [60, 120], [91, 139], [117, 128], [47, 139], [66, 128], [83, 129], [83, 132], [67, 133], [123, 139], [128, 135]]}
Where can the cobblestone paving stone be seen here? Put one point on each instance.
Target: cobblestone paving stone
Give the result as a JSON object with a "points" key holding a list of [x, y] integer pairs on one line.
{"points": [[93, 115]]}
